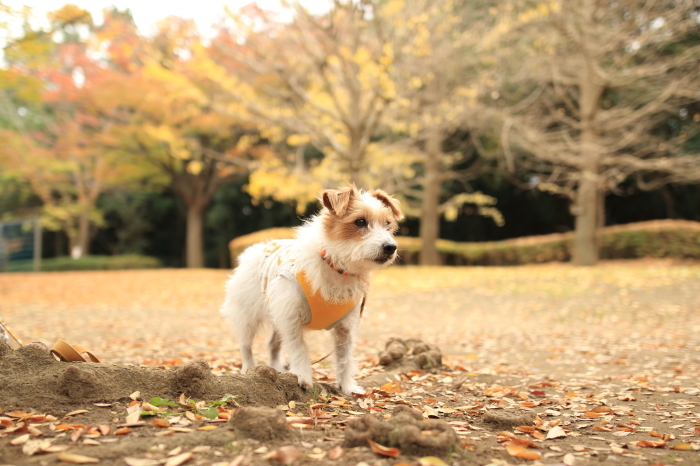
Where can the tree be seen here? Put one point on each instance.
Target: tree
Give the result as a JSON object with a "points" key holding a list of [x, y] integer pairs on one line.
{"points": [[172, 123], [441, 70], [321, 80], [605, 78], [59, 140]]}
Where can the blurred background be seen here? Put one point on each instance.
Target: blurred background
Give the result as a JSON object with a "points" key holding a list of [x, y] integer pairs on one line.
{"points": [[140, 136]]}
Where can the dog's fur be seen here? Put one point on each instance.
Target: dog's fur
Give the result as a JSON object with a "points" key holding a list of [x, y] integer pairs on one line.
{"points": [[350, 246]]}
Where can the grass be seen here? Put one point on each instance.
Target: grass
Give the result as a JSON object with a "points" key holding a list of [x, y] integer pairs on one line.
{"points": [[65, 263]]}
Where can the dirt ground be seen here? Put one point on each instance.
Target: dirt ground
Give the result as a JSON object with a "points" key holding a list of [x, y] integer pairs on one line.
{"points": [[553, 363]]}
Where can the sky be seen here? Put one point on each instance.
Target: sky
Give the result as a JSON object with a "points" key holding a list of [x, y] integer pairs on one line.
{"points": [[147, 13]]}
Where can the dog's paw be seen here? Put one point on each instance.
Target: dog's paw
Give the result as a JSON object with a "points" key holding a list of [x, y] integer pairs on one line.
{"points": [[305, 383], [353, 389]]}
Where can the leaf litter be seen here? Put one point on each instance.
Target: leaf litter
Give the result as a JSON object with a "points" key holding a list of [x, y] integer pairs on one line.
{"points": [[605, 356]]}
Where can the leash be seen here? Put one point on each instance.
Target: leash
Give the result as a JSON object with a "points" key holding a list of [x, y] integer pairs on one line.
{"points": [[4, 326]]}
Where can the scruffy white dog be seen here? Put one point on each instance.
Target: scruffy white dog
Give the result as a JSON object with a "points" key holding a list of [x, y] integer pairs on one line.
{"points": [[318, 281]]}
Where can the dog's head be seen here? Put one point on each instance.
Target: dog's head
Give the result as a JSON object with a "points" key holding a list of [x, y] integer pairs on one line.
{"points": [[360, 226]]}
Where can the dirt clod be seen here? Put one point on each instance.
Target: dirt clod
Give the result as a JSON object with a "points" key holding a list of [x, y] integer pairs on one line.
{"points": [[194, 379], [263, 424], [404, 431], [507, 421], [410, 354]]}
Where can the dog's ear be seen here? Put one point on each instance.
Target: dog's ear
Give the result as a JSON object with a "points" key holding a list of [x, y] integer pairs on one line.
{"points": [[338, 200], [392, 203]]}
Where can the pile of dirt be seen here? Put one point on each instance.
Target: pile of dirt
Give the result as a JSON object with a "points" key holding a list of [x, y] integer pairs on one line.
{"points": [[405, 430], [32, 377]]}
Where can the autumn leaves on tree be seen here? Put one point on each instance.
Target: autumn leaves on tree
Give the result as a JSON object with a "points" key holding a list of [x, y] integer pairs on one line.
{"points": [[416, 97]]}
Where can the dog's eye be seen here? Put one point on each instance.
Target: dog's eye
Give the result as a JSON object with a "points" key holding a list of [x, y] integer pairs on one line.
{"points": [[361, 222]]}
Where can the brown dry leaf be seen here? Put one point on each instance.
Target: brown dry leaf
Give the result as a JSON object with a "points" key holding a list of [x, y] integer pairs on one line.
{"points": [[382, 450], [528, 429], [141, 462], [682, 447], [103, 428], [602, 409], [207, 428], [175, 451], [76, 434], [555, 432], [21, 440], [31, 447], [160, 423], [76, 459], [179, 459], [522, 452], [335, 452], [648, 444], [133, 418], [190, 415], [136, 395], [392, 387], [538, 435], [122, 431], [76, 412], [431, 461], [182, 401], [285, 455], [523, 442]]}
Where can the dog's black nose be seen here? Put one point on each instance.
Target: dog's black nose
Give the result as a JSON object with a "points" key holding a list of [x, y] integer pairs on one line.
{"points": [[389, 248]]}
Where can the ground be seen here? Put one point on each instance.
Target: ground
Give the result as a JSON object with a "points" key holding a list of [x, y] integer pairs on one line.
{"points": [[604, 361]]}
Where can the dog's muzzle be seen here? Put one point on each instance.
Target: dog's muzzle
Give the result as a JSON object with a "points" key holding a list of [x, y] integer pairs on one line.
{"points": [[386, 253]]}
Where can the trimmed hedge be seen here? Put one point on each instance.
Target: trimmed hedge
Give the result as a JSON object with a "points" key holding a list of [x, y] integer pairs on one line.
{"points": [[65, 263], [678, 239]]}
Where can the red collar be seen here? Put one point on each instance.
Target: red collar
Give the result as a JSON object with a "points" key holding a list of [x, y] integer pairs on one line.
{"points": [[325, 257]]}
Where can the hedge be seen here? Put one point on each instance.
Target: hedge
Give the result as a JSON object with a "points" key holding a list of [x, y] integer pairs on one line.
{"points": [[64, 263], [678, 239]]}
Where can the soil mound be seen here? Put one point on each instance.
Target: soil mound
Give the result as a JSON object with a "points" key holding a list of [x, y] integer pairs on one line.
{"points": [[405, 430], [32, 377]]}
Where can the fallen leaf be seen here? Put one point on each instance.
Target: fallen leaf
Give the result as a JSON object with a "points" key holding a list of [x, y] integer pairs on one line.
{"points": [[335, 452], [175, 451], [682, 446], [122, 431], [76, 459], [431, 461], [179, 459], [103, 428], [285, 455], [207, 428], [141, 462], [569, 459], [76, 434], [382, 450], [648, 444], [523, 443], [76, 412], [21, 440], [392, 387], [136, 395], [555, 432], [522, 452], [31, 447], [160, 423]]}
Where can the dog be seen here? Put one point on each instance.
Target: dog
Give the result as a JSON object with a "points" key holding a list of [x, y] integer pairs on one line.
{"points": [[319, 280]]}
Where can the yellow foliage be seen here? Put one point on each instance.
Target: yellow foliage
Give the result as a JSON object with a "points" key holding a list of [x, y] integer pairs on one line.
{"points": [[195, 167], [298, 139]]}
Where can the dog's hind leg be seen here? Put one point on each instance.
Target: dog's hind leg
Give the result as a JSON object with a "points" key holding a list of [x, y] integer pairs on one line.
{"points": [[344, 338], [275, 346]]}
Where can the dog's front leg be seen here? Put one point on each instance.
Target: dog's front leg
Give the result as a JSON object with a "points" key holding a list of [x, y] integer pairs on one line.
{"points": [[285, 305], [344, 337]]}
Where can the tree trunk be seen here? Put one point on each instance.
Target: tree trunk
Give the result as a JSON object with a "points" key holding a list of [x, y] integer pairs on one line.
{"points": [[430, 216], [585, 244], [194, 249], [84, 232]]}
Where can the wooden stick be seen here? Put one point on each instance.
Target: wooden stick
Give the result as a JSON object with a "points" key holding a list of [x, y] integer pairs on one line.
{"points": [[9, 330]]}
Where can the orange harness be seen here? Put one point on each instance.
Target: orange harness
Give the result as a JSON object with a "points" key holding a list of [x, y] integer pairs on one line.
{"points": [[323, 313], [318, 313]]}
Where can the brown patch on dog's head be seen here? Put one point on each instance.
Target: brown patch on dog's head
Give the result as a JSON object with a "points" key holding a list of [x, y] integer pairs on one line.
{"points": [[349, 214], [338, 200], [392, 203]]}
